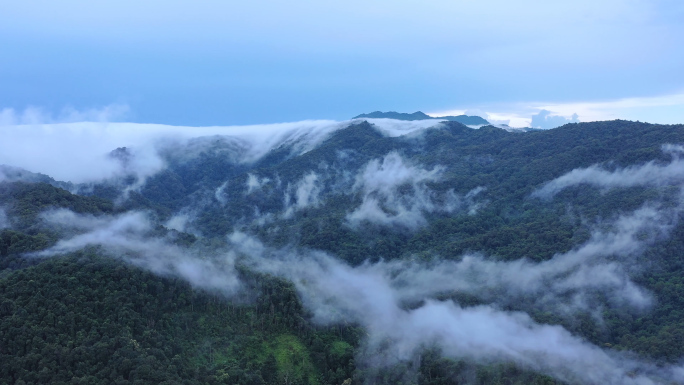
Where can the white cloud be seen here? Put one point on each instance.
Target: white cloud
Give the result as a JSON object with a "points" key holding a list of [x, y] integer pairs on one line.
{"points": [[386, 176], [306, 194], [394, 128], [499, 114], [544, 119], [384, 204], [78, 152], [565, 283], [4, 220], [651, 173], [373, 295], [128, 236], [667, 109], [178, 222], [662, 109], [220, 193], [255, 183]]}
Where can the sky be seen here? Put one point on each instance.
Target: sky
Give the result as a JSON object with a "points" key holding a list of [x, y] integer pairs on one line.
{"points": [[211, 62]]}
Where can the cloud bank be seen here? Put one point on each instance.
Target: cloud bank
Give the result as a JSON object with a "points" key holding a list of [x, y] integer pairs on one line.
{"points": [[79, 152]]}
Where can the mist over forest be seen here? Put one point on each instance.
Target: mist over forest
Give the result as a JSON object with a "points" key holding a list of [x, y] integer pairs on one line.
{"points": [[367, 251]]}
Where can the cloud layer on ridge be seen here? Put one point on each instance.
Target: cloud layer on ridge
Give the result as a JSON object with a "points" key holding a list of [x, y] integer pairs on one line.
{"points": [[79, 152]]}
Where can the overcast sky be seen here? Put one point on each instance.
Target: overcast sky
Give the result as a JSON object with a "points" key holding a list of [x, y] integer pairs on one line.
{"points": [[247, 62]]}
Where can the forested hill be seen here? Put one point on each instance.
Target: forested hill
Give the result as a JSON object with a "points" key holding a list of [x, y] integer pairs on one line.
{"points": [[502, 168], [438, 255], [418, 115]]}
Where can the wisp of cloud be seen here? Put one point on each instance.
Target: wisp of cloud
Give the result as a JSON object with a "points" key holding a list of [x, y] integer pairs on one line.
{"points": [[374, 295], [651, 173]]}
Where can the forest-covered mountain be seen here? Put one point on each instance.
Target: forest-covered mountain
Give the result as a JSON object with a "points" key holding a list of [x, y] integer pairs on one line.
{"points": [[419, 115], [353, 254]]}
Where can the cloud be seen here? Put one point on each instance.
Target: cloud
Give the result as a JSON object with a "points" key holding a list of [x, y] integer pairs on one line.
{"points": [[395, 193], [129, 237], [178, 222], [382, 203], [80, 152], [651, 173], [255, 183], [375, 295], [493, 119], [545, 120], [499, 114], [454, 202], [76, 152], [564, 284], [371, 295], [220, 193], [15, 174], [664, 108], [384, 178], [485, 334], [475, 112], [394, 128], [4, 220], [306, 194]]}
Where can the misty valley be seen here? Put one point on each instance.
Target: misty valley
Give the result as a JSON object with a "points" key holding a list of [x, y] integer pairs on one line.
{"points": [[370, 251]]}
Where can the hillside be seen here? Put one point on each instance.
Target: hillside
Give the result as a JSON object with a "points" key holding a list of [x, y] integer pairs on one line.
{"points": [[439, 255]]}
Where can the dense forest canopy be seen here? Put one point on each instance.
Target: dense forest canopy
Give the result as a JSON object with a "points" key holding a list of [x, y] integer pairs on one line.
{"points": [[359, 253]]}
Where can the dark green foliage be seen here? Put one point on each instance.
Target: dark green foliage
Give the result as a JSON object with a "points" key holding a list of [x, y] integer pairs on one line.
{"points": [[24, 201], [435, 370], [13, 244], [88, 320]]}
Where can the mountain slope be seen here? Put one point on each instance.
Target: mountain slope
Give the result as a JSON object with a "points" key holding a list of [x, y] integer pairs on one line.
{"points": [[346, 255]]}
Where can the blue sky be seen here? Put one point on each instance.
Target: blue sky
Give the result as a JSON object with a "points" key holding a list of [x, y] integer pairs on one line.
{"points": [[227, 62]]}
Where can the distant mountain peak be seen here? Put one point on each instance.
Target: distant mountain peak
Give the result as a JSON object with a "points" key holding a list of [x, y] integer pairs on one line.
{"points": [[419, 115]]}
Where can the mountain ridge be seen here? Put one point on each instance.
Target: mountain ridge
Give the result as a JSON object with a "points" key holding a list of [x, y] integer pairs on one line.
{"points": [[419, 115]]}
